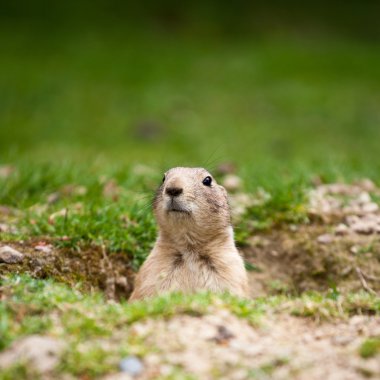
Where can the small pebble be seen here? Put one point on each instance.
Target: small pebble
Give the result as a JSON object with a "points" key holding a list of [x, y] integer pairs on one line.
{"points": [[341, 229], [342, 340], [354, 249], [325, 239], [131, 365], [9, 255], [370, 207], [223, 335], [44, 248], [363, 227], [364, 198]]}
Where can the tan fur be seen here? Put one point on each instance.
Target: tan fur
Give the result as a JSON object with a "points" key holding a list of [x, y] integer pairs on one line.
{"points": [[195, 249]]}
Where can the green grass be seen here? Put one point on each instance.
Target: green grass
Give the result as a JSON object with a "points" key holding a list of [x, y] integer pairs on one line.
{"points": [[331, 305], [93, 90], [267, 369], [370, 348], [19, 371], [268, 97]]}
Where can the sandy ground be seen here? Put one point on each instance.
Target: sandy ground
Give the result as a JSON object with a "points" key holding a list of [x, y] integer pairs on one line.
{"points": [[284, 347]]}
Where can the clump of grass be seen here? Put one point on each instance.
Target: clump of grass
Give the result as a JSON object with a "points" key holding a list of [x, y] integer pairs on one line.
{"points": [[370, 348], [89, 361], [334, 305], [286, 204], [19, 371], [267, 369], [278, 287]]}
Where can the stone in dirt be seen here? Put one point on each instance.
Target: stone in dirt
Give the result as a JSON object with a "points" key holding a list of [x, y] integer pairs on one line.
{"points": [[352, 204], [342, 199], [223, 335], [131, 365], [369, 208], [45, 248], [366, 225], [341, 229], [9, 255], [325, 239], [41, 352]]}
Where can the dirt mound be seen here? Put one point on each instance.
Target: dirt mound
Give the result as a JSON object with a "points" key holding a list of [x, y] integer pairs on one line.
{"points": [[305, 259], [91, 267], [340, 248]]}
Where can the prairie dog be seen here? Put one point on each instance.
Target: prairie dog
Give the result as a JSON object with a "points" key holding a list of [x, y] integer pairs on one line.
{"points": [[195, 248]]}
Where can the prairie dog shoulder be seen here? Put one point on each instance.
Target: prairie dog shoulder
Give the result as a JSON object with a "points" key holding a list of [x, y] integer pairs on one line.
{"points": [[195, 249]]}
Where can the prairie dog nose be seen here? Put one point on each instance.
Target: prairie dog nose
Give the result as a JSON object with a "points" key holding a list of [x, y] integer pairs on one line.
{"points": [[173, 191]]}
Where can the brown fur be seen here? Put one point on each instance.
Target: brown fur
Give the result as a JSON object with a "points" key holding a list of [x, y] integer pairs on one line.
{"points": [[195, 249]]}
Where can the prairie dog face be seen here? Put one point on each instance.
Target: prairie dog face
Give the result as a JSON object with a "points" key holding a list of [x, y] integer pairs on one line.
{"points": [[191, 196]]}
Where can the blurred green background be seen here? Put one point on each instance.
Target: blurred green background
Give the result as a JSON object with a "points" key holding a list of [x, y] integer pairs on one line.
{"points": [[276, 87]]}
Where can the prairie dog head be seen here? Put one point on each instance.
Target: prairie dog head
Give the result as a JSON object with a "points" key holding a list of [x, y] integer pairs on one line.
{"points": [[191, 198]]}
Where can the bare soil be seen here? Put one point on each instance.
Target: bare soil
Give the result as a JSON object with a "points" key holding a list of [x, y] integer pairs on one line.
{"points": [[92, 268], [225, 347], [296, 259]]}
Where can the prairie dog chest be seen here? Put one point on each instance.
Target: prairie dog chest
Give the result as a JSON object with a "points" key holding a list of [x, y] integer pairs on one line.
{"points": [[190, 271], [192, 262]]}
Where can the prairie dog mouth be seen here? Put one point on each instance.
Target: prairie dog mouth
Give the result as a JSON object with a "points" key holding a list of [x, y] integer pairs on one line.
{"points": [[176, 207], [179, 211]]}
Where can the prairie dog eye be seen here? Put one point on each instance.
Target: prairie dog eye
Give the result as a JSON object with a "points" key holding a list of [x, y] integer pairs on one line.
{"points": [[163, 179], [207, 181]]}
